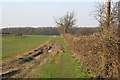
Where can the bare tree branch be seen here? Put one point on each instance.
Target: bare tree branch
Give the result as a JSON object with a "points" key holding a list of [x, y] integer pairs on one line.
{"points": [[99, 13], [66, 22]]}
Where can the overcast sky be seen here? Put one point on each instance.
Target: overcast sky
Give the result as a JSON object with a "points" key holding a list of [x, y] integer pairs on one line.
{"points": [[27, 14]]}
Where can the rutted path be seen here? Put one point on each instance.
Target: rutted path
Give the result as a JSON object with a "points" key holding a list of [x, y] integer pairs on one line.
{"points": [[39, 63], [21, 65]]}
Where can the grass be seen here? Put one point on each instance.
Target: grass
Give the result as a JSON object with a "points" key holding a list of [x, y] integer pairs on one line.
{"points": [[16, 45], [67, 67], [61, 65]]}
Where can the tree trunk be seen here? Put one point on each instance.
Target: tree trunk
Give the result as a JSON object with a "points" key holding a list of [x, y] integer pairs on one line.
{"points": [[65, 30], [119, 13], [119, 35], [107, 13]]}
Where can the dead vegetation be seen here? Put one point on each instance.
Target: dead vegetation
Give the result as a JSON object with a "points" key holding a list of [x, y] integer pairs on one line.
{"points": [[99, 51]]}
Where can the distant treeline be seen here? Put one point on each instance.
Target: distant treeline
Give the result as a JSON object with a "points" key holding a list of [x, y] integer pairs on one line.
{"points": [[32, 31], [47, 30]]}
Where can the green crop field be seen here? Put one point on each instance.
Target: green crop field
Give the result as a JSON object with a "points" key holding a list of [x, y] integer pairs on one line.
{"points": [[16, 45]]}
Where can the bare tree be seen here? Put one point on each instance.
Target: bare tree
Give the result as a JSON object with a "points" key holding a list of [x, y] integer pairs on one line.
{"points": [[66, 22], [114, 13], [106, 14], [98, 13]]}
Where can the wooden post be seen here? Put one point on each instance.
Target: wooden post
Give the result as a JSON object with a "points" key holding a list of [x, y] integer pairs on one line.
{"points": [[119, 22], [119, 38], [107, 13]]}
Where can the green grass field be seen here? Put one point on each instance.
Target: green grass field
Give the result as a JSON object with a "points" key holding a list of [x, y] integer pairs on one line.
{"points": [[62, 65], [67, 67], [16, 45]]}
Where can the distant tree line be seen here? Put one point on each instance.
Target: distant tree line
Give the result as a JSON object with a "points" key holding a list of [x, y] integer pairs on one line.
{"points": [[48, 30], [32, 31]]}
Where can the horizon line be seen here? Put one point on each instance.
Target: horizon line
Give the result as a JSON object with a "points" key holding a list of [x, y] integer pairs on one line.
{"points": [[37, 26]]}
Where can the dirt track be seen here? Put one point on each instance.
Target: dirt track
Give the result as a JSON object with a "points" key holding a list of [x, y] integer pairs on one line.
{"points": [[19, 66]]}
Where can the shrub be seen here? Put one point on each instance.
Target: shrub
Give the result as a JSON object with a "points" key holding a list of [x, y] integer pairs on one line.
{"points": [[99, 51]]}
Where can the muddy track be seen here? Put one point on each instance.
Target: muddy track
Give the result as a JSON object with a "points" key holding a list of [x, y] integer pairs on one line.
{"points": [[19, 66]]}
